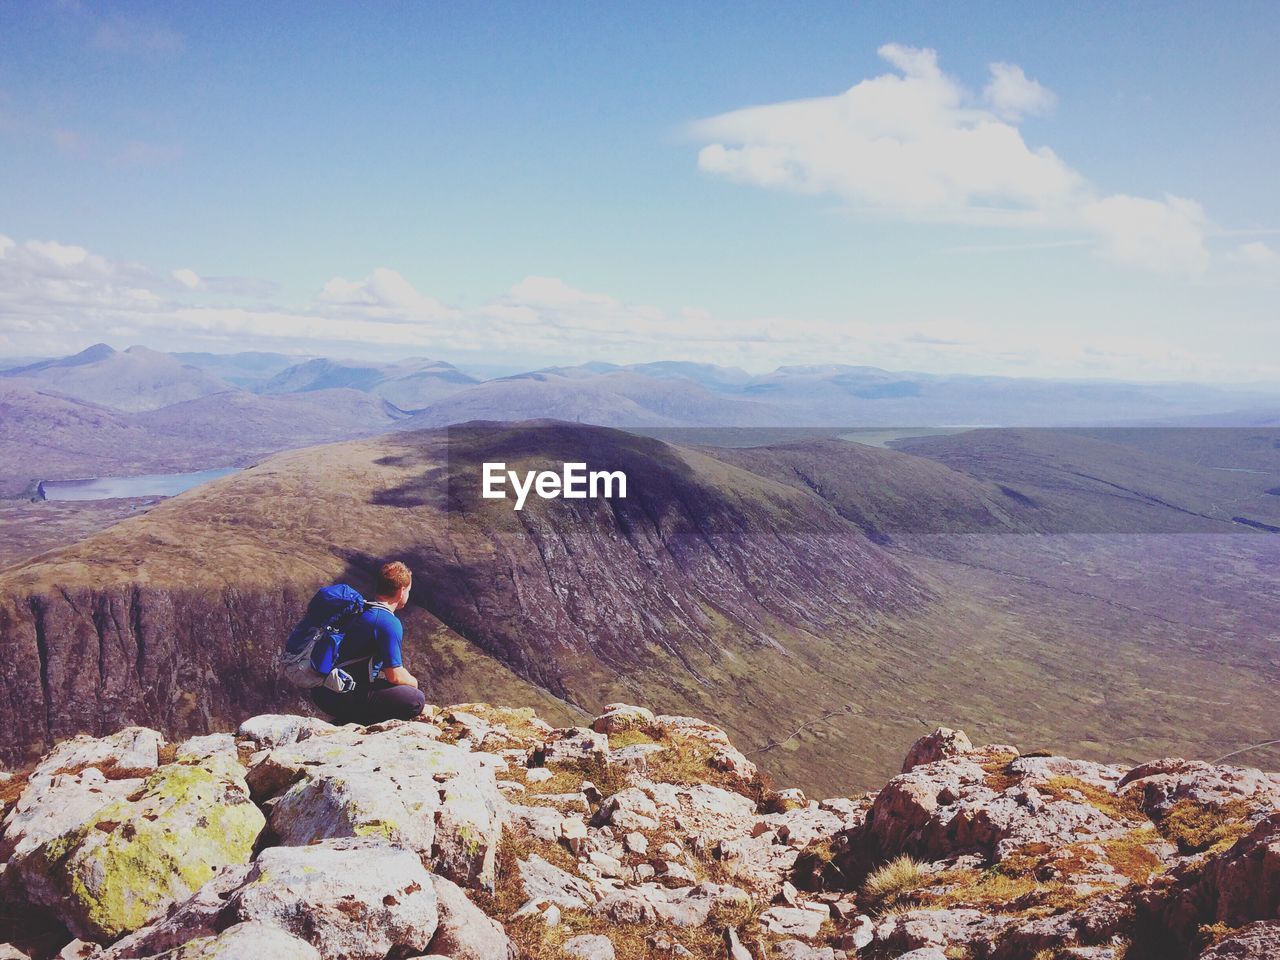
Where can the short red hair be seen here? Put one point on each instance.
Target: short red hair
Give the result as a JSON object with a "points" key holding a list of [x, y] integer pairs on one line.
{"points": [[393, 577]]}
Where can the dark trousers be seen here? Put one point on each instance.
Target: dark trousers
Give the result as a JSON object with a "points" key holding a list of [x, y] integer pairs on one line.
{"points": [[370, 703]]}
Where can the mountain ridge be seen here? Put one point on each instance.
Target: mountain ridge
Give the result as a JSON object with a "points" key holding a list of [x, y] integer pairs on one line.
{"points": [[747, 596]]}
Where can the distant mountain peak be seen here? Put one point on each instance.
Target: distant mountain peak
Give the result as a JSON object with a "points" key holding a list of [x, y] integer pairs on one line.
{"points": [[99, 351]]}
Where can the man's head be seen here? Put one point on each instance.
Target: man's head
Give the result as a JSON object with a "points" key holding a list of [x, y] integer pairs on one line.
{"points": [[393, 583]]}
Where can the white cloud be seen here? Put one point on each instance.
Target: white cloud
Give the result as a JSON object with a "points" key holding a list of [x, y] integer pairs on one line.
{"points": [[1013, 95], [66, 257], [551, 292], [1255, 254], [908, 144], [1165, 236], [386, 294], [57, 298], [918, 145], [188, 278]]}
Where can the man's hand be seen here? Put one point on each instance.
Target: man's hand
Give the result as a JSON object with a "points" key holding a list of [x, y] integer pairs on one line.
{"points": [[400, 675]]}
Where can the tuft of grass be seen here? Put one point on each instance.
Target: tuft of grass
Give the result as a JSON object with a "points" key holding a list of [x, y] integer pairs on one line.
{"points": [[1196, 826], [999, 891], [567, 777], [1131, 855], [508, 894], [1060, 953], [523, 729], [637, 735], [1025, 861], [895, 880], [537, 941], [999, 775], [688, 763], [1126, 807], [1211, 933], [989, 891], [12, 788]]}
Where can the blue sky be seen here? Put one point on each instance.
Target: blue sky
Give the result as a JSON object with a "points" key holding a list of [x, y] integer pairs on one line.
{"points": [[518, 184]]}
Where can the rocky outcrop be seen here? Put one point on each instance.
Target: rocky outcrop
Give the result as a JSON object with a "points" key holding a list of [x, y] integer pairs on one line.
{"points": [[359, 899], [942, 743], [481, 833], [397, 781], [1253, 941], [107, 839]]}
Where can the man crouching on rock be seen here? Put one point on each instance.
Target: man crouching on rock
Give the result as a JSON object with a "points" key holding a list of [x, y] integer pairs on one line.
{"points": [[385, 689]]}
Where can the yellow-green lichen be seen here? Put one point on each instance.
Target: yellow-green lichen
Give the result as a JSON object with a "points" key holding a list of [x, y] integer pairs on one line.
{"points": [[135, 857], [376, 828]]}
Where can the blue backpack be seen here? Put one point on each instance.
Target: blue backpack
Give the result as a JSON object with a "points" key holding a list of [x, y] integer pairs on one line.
{"points": [[311, 655]]}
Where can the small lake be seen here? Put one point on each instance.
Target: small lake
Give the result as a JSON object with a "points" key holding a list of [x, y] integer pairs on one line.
{"points": [[147, 485]]}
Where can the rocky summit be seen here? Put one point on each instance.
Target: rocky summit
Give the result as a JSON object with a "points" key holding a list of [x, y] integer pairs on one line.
{"points": [[481, 832]]}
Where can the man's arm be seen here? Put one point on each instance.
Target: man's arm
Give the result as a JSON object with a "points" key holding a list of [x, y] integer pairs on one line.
{"points": [[399, 675], [394, 671]]}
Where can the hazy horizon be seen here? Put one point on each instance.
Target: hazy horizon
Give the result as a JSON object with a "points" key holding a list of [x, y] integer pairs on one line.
{"points": [[485, 371]]}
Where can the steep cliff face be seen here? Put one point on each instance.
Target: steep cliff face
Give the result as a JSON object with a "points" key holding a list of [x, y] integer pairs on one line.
{"points": [[87, 660], [174, 620]]}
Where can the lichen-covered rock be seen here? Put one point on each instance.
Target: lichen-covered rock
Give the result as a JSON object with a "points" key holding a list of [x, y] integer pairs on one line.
{"points": [[397, 782], [547, 883], [81, 950], [985, 803], [793, 921], [1164, 783], [1095, 924], [52, 805], [245, 941], [484, 726], [1021, 855], [681, 907], [942, 743], [914, 929], [465, 932], [799, 950], [199, 748], [635, 757], [574, 745], [763, 855], [270, 730], [351, 899], [71, 782], [124, 865], [618, 717], [541, 823], [629, 809], [204, 914], [590, 946], [133, 750]]}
